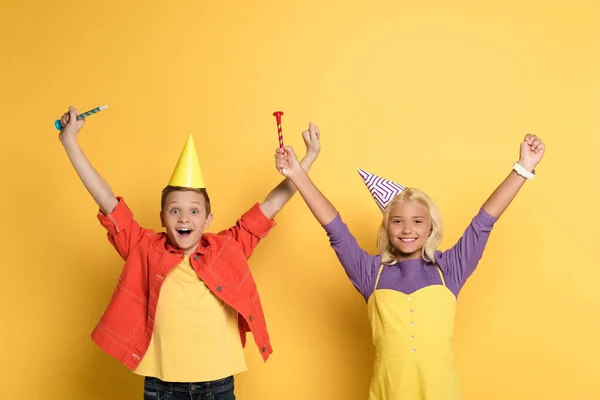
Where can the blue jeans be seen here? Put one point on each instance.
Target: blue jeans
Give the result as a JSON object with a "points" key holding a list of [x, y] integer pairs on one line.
{"points": [[155, 389]]}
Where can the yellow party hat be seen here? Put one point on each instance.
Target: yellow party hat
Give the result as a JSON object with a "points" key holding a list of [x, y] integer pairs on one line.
{"points": [[187, 172]]}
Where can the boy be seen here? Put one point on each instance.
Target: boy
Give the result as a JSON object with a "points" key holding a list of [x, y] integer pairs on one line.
{"points": [[187, 341]]}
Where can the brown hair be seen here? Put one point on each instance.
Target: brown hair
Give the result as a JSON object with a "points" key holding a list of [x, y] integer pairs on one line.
{"points": [[170, 189]]}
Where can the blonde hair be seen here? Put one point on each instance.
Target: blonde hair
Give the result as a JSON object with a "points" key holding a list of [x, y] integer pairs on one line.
{"points": [[386, 248]]}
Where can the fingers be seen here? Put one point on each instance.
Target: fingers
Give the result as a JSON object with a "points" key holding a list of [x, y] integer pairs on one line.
{"points": [[535, 143], [281, 161], [284, 157], [313, 131], [69, 116], [289, 151], [281, 164], [306, 135], [529, 138], [280, 155], [64, 120], [73, 114], [73, 109]]}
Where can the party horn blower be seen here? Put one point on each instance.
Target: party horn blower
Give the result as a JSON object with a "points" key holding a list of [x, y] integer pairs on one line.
{"points": [[278, 115], [59, 126]]}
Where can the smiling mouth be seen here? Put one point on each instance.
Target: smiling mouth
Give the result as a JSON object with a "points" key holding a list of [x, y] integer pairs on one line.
{"points": [[407, 240], [184, 231]]}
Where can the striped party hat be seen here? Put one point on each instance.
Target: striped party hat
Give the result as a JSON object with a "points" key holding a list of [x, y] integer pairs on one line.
{"points": [[382, 190]]}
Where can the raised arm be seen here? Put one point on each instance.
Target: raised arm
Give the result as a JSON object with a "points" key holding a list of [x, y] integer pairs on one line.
{"points": [[358, 264], [288, 165], [93, 182], [459, 262], [532, 151], [282, 193]]}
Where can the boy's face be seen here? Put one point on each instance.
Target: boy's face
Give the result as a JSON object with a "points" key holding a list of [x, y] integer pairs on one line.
{"points": [[184, 218]]}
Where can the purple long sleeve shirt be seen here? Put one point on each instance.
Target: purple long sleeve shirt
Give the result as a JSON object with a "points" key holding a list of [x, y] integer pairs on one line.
{"points": [[456, 263]]}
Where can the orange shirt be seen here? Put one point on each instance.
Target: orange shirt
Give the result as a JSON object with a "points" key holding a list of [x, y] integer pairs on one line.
{"points": [[126, 327]]}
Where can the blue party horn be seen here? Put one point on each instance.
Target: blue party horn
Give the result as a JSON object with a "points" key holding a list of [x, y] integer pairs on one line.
{"points": [[59, 126]]}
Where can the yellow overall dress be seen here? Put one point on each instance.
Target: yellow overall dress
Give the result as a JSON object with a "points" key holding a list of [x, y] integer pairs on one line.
{"points": [[412, 335]]}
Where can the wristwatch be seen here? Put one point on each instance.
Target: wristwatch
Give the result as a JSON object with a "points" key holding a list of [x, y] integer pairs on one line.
{"points": [[519, 169]]}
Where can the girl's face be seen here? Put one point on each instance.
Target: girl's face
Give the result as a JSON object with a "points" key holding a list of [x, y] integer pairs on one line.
{"points": [[409, 226]]}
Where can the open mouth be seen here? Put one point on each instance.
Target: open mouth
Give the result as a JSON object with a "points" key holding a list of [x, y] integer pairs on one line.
{"points": [[184, 231], [407, 240]]}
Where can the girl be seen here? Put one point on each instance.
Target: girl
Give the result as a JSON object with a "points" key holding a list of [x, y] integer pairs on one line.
{"points": [[411, 287]]}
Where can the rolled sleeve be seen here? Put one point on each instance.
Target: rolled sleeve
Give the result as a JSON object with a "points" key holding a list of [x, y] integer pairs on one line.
{"points": [[256, 222], [123, 231], [120, 217], [250, 229]]}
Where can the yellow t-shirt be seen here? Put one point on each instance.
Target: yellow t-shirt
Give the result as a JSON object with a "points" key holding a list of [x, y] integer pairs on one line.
{"points": [[196, 336]]}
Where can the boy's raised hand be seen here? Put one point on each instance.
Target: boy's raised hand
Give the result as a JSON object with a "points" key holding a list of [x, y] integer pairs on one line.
{"points": [[71, 125], [288, 165], [312, 141]]}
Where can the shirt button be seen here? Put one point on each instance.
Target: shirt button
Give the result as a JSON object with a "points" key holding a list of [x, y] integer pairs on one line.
{"points": [[196, 258], [412, 337], [219, 288], [408, 298], [412, 323], [251, 318], [413, 350], [410, 311]]}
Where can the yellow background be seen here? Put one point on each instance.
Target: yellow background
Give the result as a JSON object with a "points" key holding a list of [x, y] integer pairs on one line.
{"points": [[436, 96]]}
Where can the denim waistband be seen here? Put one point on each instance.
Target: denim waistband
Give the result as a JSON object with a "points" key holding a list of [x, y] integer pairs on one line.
{"points": [[189, 387]]}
